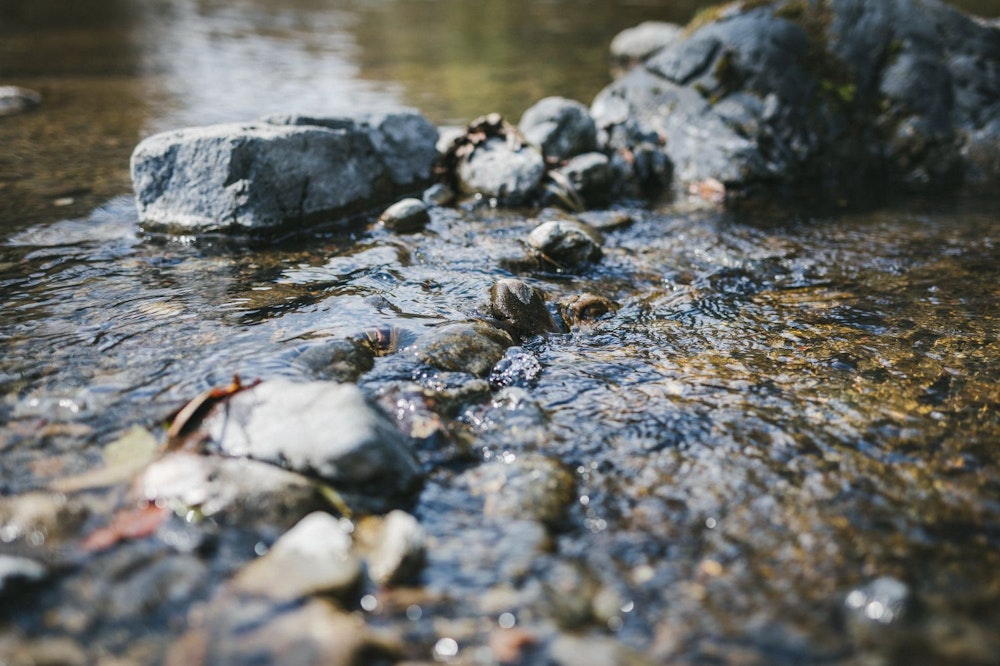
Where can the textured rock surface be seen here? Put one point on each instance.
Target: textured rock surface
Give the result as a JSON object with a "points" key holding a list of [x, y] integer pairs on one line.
{"points": [[561, 127], [497, 170], [282, 171], [473, 347], [643, 40], [318, 428], [840, 94], [521, 306], [567, 243]]}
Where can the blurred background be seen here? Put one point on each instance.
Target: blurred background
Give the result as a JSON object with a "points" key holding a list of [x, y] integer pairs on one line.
{"points": [[113, 71]]}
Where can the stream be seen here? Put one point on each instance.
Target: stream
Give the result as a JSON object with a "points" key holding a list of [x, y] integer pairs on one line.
{"points": [[783, 436]]}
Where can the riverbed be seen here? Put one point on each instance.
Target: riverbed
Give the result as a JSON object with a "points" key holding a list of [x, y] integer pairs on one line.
{"points": [[781, 436]]}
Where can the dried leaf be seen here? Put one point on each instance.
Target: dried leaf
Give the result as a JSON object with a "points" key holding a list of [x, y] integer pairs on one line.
{"points": [[127, 524], [190, 415]]}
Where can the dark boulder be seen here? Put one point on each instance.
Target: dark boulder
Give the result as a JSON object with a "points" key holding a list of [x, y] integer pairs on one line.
{"points": [[839, 95]]}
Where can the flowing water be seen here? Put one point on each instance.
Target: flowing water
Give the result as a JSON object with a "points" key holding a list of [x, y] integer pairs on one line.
{"points": [[787, 404]]}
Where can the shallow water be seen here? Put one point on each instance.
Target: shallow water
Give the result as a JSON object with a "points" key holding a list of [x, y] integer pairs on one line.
{"points": [[787, 405]]}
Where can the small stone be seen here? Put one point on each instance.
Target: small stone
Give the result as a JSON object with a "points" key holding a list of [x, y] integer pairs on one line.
{"points": [[15, 569], [323, 429], [583, 308], [873, 608], [438, 194], [497, 170], [569, 650], [473, 347], [606, 220], [239, 491], [393, 547], [39, 517], [342, 360], [314, 557], [522, 307], [567, 244], [532, 487], [405, 216], [591, 176], [562, 127], [638, 43], [14, 100]]}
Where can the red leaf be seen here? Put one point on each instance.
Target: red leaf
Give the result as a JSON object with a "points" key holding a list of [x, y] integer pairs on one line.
{"points": [[127, 524]]}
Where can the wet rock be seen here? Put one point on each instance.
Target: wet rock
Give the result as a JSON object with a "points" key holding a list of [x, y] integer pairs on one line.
{"points": [[405, 216], [590, 175], [16, 570], [531, 487], [497, 170], [341, 360], [14, 100], [314, 557], [315, 633], [569, 649], [839, 96], [522, 307], [562, 128], [47, 651], [285, 170], [606, 220], [37, 518], [392, 547], [323, 429], [583, 308], [518, 367], [565, 243], [638, 43], [236, 491], [438, 194], [473, 347]]}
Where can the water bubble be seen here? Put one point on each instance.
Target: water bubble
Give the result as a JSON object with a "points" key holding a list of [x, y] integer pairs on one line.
{"points": [[585, 500], [615, 623], [710, 523], [628, 607], [856, 599], [446, 649], [414, 612], [260, 548], [507, 620], [369, 602]]}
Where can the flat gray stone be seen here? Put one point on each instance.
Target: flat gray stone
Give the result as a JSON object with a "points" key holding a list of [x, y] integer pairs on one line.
{"points": [[561, 127], [496, 170], [284, 171]]}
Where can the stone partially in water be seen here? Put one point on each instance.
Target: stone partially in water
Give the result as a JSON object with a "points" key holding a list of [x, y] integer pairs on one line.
{"points": [[392, 546], [840, 96], [566, 243], [584, 308], [562, 128], [405, 216], [473, 347], [522, 307], [16, 570], [284, 171], [323, 429], [497, 170], [590, 175], [313, 557], [14, 100], [237, 491]]}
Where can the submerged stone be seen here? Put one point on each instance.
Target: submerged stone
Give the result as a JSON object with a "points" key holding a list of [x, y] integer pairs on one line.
{"points": [[473, 347]]}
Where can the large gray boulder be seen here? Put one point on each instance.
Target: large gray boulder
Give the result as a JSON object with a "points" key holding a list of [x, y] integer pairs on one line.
{"points": [[283, 171], [841, 94], [321, 429]]}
